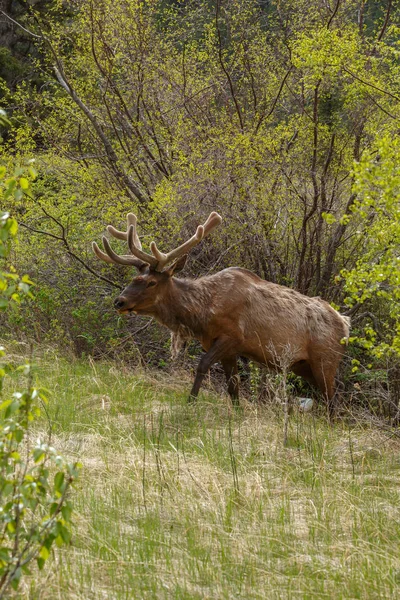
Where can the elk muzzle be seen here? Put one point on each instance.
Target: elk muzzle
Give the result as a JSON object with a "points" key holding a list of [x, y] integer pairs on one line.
{"points": [[121, 303]]}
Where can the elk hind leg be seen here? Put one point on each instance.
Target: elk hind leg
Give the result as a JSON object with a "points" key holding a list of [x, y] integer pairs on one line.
{"points": [[303, 369], [324, 375], [232, 378]]}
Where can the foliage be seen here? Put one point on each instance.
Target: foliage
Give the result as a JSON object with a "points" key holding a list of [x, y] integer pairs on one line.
{"points": [[12, 188], [34, 483], [34, 479], [375, 279], [258, 110]]}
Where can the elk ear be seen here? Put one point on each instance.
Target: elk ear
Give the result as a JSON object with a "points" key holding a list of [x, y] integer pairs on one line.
{"points": [[176, 266], [142, 268]]}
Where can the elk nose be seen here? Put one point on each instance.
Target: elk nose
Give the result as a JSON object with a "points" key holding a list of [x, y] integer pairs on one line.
{"points": [[120, 302]]}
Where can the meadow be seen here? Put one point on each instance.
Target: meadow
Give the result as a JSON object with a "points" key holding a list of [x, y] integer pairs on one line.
{"points": [[201, 501]]}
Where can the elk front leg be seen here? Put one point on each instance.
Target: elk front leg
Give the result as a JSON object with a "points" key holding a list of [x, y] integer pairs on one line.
{"points": [[232, 378], [222, 349]]}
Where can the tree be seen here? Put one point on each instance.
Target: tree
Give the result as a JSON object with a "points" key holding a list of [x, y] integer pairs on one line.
{"points": [[374, 281], [174, 109]]}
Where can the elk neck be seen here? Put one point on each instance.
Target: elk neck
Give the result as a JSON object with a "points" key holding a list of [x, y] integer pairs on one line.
{"points": [[186, 304]]}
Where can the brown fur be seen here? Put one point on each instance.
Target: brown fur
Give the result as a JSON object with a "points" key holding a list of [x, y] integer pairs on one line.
{"points": [[235, 313]]}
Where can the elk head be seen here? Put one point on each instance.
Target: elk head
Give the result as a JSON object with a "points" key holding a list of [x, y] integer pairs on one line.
{"points": [[150, 286]]}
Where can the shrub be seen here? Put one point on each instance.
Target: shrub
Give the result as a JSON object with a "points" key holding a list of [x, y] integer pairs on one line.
{"points": [[35, 480]]}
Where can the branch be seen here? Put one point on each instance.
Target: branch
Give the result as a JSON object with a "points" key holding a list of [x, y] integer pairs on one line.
{"points": [[333, 15], [361, 18], [332, 248], [62, 238], [381, 108], [385, 24], [158, 163], [316, 191], [221, 60], [262, 117], [375, 87], [374, 320], [111, 155], [21, 26]]}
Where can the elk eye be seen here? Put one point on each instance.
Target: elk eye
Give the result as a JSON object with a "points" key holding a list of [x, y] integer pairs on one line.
{"points": [[151, 283]]}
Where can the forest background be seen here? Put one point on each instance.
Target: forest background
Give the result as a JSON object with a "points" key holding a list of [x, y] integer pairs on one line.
{"points": [[282, 116]]}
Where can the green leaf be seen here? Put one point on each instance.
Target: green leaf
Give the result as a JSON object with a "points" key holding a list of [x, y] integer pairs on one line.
{"points": [[65, 534], [18, 435], [11, 527], [44, 553], [5, 554], [328, 218], [66, 512], [32, 172], [12, 408], [18, 194], [6, 403], [53, 508], [13, 227], [38, 454], [58, 481], [24, 183], [16, 578]]}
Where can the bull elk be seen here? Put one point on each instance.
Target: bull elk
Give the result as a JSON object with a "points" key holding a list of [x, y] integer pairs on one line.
{"points": [[232, 313]]}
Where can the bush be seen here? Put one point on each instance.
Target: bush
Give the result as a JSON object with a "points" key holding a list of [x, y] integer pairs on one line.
{"points": [[34, 479]]}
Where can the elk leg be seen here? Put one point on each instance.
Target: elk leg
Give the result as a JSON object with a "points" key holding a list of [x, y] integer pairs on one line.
{"points": [[303, 369], [232, 379], [325, 380], [221, 348]]}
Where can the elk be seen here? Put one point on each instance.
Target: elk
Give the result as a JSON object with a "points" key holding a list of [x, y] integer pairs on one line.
{"points": [[231, 313]]}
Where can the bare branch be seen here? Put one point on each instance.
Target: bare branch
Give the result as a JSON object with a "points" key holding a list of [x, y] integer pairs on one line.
{"points": [[375, 87], [225, 70], [111, 155], [263, 117], [62, 238], [386, 21], [333, 15], [21, 26]]}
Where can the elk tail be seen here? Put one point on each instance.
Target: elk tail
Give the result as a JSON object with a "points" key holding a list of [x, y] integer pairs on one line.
{"points": [[346, 324]]}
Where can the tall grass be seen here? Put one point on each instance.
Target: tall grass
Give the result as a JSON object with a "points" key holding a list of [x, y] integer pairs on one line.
{"points": [[203, 502]]}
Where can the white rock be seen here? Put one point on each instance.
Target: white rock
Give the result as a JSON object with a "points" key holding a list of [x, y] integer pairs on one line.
{"points": [[305, 404]]}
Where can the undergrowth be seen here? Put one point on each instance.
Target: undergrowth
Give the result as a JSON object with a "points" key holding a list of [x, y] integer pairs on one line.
{"points": [[202, 501]]}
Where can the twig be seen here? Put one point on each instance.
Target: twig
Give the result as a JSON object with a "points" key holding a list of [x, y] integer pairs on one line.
{"points": [[225, 70], [375, 87], [263, 117], [386, 21], [62, 238], [333, 15], [21, 26]]}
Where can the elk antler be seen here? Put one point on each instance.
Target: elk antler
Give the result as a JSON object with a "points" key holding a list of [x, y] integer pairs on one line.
{"points": [[157, 260], [113, 257]]}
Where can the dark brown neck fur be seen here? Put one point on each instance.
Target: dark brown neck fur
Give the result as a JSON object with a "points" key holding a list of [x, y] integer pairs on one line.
{"points": [[185, 305]]}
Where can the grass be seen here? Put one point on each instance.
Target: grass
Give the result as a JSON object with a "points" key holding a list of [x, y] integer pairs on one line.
{"points": [[189, 502]]}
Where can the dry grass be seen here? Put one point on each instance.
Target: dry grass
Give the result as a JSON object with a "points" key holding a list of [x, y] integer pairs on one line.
{"points": [[201, 502]]}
